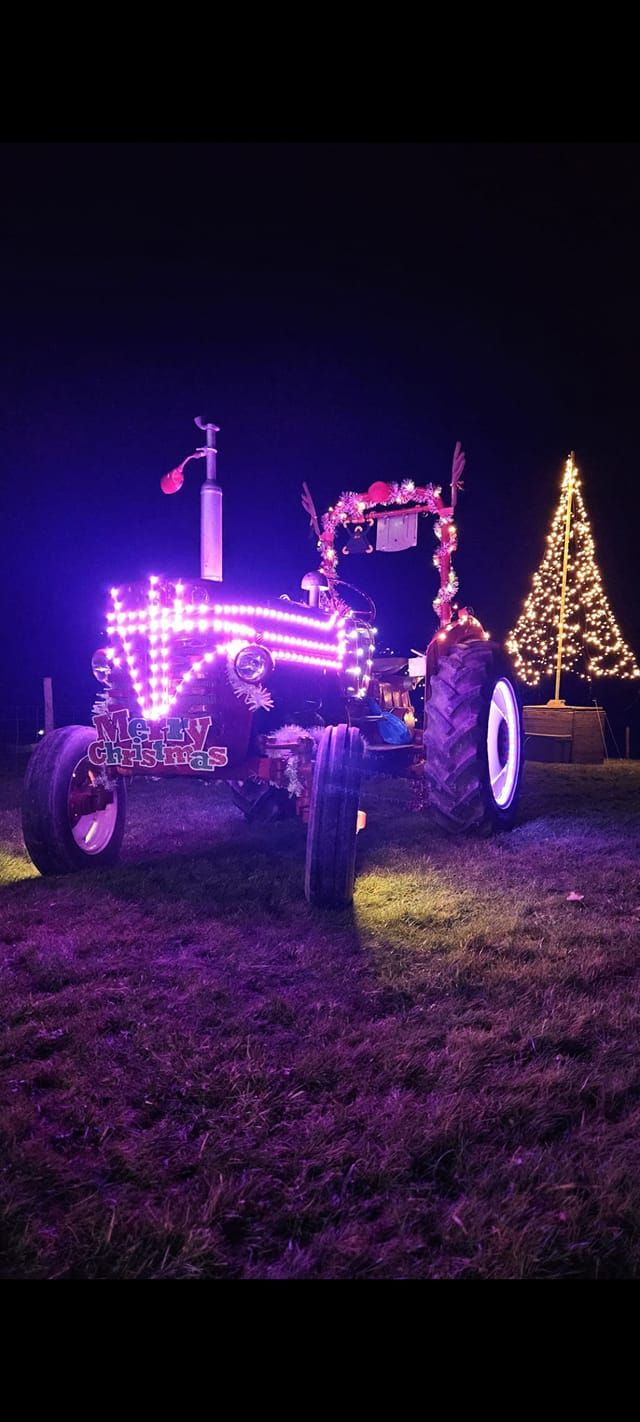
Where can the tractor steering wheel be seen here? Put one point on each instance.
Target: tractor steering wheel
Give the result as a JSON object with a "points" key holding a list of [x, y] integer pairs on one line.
{"points": [[369, 612]]}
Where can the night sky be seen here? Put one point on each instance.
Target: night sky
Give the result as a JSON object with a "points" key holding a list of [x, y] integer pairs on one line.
{"points": [[344, 313]]}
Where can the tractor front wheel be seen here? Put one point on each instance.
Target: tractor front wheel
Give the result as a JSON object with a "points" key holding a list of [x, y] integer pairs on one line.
{"points": [[333, 818], [473, 740], [73, 813]]}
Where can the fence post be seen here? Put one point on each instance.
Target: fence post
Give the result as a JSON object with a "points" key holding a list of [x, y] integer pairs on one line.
{"points": [[48, 704], [627, 742]]}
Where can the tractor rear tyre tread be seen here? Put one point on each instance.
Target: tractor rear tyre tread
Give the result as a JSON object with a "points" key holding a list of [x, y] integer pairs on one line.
{"points": [[460, 797]]}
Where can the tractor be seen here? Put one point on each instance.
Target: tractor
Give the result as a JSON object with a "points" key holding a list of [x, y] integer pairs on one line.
{"points": [[285, 699]]}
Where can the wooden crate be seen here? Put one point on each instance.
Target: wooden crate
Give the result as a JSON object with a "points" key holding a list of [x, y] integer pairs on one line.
{"points": [[588, 735], [564, 733]]}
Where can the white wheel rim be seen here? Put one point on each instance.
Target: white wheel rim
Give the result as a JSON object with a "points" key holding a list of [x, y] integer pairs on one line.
{"points": [[92, 833], [503, 743]]}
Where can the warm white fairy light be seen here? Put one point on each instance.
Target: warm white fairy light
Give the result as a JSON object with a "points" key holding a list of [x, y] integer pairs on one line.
{"points": [[592, 644]]}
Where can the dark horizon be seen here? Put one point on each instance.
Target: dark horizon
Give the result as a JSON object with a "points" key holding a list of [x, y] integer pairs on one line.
{"points": [[344, 313]]}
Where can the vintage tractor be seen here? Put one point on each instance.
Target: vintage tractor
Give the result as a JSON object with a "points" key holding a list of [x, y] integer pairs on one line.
{"points": [[284, 700]]}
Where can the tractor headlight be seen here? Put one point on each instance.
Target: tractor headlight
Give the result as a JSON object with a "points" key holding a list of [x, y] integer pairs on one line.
{"points": [[100, 665], [253, 664]]}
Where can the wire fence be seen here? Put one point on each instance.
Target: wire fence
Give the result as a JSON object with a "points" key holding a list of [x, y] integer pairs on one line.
{"points": [[20, 725], [22, 717]]}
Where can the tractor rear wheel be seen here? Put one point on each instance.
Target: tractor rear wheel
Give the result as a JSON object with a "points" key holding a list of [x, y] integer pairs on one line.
{"points": [[333, 818], [73, 815], [473, 740]]}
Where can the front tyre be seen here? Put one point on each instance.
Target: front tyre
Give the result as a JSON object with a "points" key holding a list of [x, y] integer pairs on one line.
{"points": [[73, 814], [333, 818], [473, 740]]}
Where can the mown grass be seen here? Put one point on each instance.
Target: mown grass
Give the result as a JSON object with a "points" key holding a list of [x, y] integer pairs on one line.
{"points": [[202, 1077]]}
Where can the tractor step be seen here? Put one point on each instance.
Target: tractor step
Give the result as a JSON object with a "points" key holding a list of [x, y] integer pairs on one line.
{"points": [[411, 749], [392, 760]]}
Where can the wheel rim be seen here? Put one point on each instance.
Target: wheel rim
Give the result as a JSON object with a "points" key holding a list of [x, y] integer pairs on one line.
{"points": [[503, 743], [92, 832]]}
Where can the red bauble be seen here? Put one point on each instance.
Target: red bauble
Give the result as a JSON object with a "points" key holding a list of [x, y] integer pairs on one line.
{"points": [[379, 492], [170, 483]]}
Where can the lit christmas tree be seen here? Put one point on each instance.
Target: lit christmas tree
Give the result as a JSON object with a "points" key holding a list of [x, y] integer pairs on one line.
{"points": [[566, 623]]}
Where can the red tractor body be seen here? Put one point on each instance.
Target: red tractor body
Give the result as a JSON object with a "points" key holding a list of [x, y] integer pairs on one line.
{"points": [[284, 699]]}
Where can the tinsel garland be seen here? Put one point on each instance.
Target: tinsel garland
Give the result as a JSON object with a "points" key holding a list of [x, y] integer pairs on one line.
{"points": [[284, 735], [446, 594], [257, 698], [352, 507]]}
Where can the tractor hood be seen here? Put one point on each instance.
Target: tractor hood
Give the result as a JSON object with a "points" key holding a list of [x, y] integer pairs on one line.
{"points": [[169, 638]]}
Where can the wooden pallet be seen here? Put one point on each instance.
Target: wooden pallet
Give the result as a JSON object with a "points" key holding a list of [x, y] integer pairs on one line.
{"points": [[565, 734]]}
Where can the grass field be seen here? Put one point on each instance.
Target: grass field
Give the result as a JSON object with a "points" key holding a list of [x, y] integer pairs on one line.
{"points": [[202, 1077]]}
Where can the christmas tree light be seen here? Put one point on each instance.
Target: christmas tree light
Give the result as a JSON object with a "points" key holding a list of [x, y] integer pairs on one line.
{"points": [[566, 623]]}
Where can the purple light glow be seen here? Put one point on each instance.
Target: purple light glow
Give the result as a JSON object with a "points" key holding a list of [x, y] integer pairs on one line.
{"points": [[167, 617]]}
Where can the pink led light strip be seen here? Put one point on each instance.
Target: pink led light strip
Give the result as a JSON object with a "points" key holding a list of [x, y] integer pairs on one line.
{"points": [[157, 623], [155, 629], [324, 624]]}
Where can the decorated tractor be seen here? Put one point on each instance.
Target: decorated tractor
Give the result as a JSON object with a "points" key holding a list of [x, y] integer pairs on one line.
{"points": [[285, 700]]}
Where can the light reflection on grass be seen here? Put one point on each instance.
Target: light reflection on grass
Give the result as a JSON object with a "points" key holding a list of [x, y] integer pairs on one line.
{"points": [[411, 912], [15, 868]]}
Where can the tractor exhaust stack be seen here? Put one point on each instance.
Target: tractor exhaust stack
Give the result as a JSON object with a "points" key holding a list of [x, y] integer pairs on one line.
{"points": [[210, 509]]}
